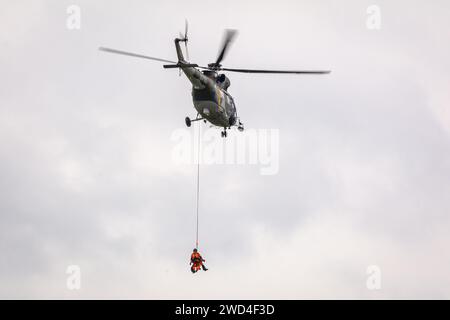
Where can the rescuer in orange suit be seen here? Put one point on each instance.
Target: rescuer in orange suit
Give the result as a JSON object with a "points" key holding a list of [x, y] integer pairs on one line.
{"points": [[197, 261]]}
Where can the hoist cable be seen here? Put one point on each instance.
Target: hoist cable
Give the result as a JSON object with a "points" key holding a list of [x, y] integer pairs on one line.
{"points": [[198, 181]]}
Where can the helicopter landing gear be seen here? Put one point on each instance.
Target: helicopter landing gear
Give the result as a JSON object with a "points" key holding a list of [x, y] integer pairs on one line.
{"points": [[240, 126], [224, 133], [189, 121]]}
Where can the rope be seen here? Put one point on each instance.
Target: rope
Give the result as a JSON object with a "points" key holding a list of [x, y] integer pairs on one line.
{"points": [[198, 181]]}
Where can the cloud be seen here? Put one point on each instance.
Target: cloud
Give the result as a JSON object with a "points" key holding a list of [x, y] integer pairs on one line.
{"points": [[86, 167]]}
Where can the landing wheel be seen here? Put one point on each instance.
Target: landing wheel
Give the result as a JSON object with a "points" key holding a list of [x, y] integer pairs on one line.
{"points": [[188, 121], [240, 126]]}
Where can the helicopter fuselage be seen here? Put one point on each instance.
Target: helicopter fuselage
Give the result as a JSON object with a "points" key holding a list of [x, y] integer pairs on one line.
{"points": [[209, 96], [215, 105]]}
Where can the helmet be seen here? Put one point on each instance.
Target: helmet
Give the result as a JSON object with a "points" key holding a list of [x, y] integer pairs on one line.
{"points": [[195, 250]]}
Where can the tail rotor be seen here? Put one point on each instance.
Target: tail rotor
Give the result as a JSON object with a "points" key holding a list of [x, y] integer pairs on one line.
{"points": [[184, 38]]}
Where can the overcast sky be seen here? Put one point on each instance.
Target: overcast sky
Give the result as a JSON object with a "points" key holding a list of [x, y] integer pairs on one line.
{"points": [[87, 176]]}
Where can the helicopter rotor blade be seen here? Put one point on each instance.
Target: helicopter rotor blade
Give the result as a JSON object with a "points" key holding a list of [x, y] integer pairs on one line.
{"points": [[184, 38], [276, 71], [186, 27], [227, 40], [131, 54]]}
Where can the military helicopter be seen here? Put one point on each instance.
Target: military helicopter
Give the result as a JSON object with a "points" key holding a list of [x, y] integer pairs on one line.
{"points": [[210, 93]]}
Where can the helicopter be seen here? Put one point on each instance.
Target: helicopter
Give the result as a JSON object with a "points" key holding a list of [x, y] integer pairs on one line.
{"points": [[210, 95]]}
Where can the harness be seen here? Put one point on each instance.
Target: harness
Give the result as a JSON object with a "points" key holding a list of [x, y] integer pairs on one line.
{"points": [[196, 259]]}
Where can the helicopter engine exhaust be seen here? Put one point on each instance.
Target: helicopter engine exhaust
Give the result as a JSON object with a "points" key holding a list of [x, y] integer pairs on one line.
{"points": [[223, 81]]}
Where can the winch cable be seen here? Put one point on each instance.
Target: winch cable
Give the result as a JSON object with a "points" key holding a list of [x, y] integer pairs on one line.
{"points": [[198, 180]]}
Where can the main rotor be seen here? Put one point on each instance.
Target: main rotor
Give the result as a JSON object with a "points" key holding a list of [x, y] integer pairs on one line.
{"points": [[216, 66]]}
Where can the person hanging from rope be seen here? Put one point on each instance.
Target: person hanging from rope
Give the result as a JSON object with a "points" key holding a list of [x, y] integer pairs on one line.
{"points": [[197, 261]]}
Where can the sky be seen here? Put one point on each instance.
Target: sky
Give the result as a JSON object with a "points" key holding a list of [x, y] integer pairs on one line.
{"points": [[88, 177]]}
